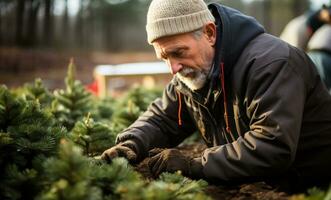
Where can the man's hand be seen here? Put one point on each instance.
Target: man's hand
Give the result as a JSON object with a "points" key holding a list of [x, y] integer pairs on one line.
{"points": [[120, 150], [172, 160]]}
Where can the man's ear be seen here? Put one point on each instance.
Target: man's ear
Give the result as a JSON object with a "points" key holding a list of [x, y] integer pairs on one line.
{"points": [[209, 31]]}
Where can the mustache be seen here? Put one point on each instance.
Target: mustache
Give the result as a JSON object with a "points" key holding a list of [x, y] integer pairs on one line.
{"points": [[186, 71]]}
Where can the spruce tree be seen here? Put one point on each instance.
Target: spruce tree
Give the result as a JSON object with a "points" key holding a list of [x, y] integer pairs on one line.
{"points": [[103, 109], [37, 91], [118, 180], [93, 137], [141, 97], [314, 194], [28, 135], [74, 176], [124, 116], [73, 103], [33, 165], [131, 106], [10, 108], [176, 187], [69, 176]]}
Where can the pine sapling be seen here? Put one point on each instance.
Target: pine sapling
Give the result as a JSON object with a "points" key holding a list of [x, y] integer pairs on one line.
{"points": [[93, 137], [38, 91], [125, 116], [73, 103], [28, 135], [69, 176]]}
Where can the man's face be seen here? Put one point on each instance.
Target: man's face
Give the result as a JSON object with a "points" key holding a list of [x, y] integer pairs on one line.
{"points": [[188, 56]]}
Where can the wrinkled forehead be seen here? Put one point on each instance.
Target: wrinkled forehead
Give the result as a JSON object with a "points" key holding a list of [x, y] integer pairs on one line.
{"points": [[171, 43], [166, 51]]}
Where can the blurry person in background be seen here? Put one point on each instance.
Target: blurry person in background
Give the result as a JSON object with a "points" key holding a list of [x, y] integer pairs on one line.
{"points": [[300, 29], [311, 32], [257, 102], [319, 50]]}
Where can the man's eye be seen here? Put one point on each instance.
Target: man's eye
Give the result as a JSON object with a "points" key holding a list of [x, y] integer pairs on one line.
{"points": [[178, 54]]}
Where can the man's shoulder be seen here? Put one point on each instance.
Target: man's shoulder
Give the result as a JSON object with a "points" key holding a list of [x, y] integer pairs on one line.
{"points": [[268, 45], [265, 49]]}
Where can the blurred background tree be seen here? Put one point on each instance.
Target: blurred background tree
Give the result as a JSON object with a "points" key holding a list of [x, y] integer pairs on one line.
{"points": [[110, 25]]}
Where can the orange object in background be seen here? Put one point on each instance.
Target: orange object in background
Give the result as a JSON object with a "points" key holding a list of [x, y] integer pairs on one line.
{"points": [[93, 88]]}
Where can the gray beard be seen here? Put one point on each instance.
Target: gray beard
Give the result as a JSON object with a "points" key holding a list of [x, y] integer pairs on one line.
{"points": [[192, 78]]}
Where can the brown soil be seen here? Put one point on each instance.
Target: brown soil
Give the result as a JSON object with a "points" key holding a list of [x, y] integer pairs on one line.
{"points": [[252, 191]]}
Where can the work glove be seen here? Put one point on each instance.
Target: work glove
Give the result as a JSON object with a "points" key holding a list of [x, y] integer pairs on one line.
{"points": [[125, 149], [172, 160]]}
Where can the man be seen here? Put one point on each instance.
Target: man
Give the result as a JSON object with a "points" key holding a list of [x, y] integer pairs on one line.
{"points": [[311, 32], [257, 102]]}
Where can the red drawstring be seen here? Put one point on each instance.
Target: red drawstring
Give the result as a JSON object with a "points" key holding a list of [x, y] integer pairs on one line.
{"points": [[225, 101], [179, 109]]}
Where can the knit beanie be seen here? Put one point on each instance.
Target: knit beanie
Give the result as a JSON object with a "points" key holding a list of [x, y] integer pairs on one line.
{"points": [[172, 17]]}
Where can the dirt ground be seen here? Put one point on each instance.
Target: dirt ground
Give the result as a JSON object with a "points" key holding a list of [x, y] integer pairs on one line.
{"points": [[258, 190]]}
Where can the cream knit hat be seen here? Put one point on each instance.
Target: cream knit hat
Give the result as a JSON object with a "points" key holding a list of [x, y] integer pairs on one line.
{"points": [[171, 17]]}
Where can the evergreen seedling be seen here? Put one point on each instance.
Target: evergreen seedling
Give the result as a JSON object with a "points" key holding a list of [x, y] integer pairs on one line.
{"points": [[131, 106], [125, 116], [74, 176], [73, 103], [104, 109], [175, 186], [141, 97], [28, 135], [69, 176], [93, 137], [38, 91], [314, 194], [10, 109], [118, 180]]}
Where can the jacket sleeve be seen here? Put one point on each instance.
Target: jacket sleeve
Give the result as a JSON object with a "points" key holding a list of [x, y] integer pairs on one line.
{"points": [[275, 99], [158, 126]]}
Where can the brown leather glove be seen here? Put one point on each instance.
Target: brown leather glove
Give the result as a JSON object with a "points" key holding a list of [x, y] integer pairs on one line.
{"points": [[172, 160], [125, 149]]}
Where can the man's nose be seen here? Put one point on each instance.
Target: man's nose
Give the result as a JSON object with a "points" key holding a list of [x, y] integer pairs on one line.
{"points": [[174, 65]]}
